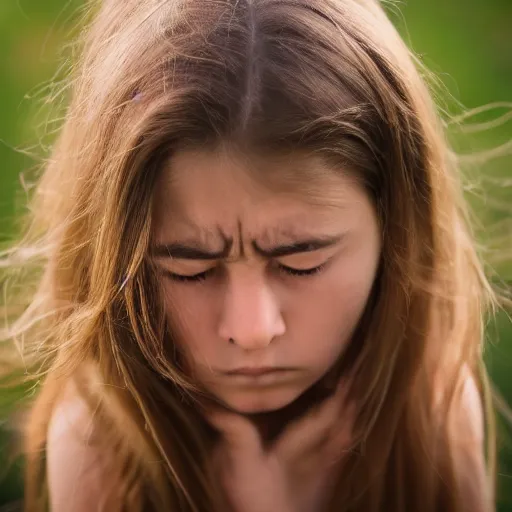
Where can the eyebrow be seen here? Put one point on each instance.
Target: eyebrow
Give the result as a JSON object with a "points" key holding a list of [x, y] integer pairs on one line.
{"points": [[186, 252], [310, 245], [182, 251]]}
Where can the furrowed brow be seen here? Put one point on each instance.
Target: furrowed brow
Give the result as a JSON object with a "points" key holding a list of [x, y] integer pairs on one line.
{"points": [[296, 247], [188, 252]]}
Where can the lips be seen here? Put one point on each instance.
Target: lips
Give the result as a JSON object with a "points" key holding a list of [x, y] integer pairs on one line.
{"points": [[255, 372]]}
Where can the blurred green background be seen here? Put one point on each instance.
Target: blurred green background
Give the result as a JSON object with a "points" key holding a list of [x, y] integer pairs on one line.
{"points": [[466, 43]]}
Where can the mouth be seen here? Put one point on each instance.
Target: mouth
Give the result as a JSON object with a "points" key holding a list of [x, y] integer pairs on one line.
{"points": [[257, 371]]}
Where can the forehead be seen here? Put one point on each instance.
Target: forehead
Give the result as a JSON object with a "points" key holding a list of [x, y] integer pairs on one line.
{"points": [[212, 188], [305, 176]]}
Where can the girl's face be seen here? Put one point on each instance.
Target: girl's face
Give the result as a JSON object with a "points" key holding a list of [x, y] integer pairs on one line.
{"points": [[263, 289]]}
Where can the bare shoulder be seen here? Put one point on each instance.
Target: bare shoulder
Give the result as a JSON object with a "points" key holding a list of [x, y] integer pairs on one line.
{"points": [[468, 431], [469, 412], [76, 467]]}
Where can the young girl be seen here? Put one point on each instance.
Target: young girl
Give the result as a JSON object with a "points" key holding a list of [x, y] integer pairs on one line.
{"points": [[258, 291]]}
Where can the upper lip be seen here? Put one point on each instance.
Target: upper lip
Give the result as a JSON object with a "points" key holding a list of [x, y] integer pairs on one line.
{"points": [[254, 371]]}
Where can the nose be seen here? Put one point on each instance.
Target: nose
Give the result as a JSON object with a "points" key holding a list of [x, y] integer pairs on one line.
{"points": [[251, 315]]}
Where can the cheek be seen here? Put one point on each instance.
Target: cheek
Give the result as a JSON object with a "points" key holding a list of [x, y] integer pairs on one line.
{"points": [[190, 315], [351, 289], [333, 312], [326, 314]]}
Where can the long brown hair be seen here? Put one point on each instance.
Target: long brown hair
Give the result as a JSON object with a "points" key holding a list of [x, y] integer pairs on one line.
{"points": [[329, 77]]}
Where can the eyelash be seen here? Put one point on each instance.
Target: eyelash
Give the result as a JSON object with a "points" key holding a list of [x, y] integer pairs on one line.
{"points": [[288, 271]]}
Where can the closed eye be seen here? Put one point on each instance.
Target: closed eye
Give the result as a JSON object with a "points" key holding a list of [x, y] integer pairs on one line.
{"points": [[298, 272], [194, 278], [283, 269]]}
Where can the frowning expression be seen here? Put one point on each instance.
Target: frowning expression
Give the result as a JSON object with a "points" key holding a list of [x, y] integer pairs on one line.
{"points": [[263, 286]]}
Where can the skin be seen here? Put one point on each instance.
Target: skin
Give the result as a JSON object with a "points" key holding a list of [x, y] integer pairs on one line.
{"points": [[291, 476], [250, 291], [295, 472], [276, 318]]}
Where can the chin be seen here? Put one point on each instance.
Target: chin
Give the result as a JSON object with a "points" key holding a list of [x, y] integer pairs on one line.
{"points": [[260, 402]]}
